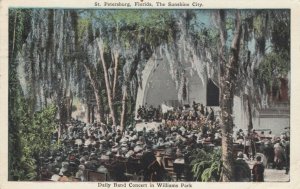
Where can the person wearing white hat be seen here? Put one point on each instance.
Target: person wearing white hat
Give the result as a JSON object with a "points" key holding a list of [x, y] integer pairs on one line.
{"points": [[179, 137], [105, 157], [55, 178], [115, 147], [134, 137], [160, 142], [102, 141], [102, 169], [129, 153], [124, 139], [82, 160], [138, 147], [124, 150], [124, 144], [78, 141], [64, 168], [87, 141], [80, 173]]}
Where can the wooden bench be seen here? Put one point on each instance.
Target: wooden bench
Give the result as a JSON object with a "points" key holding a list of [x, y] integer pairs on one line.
{"points": [[95, 176]]}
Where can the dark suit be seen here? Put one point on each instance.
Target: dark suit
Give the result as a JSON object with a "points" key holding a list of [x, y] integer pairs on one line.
{"points": [[146, 160], [258, 172], [157, 171]]}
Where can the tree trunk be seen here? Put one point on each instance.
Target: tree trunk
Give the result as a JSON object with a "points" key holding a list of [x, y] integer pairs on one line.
{"points": [[68, 103], [89, 113], [228, 78], [93, 114], [108, 87], [116, 61], [122, 121], [62, 116], [14, 36], [71, 104], [250, 124], [96, 93]]}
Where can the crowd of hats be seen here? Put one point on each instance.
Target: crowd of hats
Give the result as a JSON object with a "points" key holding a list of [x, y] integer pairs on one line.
{"points": [[98, 146], [95, 146]]}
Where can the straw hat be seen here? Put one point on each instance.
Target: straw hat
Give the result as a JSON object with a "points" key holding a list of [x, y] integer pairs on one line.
{"points": [[55, 177], [240, 155], [81, 167], [138, 149], [158, 154], [124, 144], [129, 154]]}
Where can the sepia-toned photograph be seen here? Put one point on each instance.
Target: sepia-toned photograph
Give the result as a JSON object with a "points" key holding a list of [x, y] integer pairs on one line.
{"points": [[152, 95]]}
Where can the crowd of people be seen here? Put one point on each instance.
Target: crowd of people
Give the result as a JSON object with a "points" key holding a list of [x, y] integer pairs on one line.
{"points": [[146, 155], [274, 149], [182, 113], [268, 150]]}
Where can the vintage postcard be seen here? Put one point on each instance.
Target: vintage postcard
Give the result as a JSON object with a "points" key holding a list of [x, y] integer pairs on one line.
{"points": [[159, 94]]}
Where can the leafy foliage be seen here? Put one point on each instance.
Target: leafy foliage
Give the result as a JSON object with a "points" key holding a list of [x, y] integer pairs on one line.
{"points": [[273, 66], [38, 130], [206, 165], [19, 24], [35, 137], [280, 33], [129, 26]]}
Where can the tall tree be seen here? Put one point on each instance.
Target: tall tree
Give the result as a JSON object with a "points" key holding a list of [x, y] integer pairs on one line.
{"points": [[228, 72], [19, 25], [107, 83], [97, 90]]}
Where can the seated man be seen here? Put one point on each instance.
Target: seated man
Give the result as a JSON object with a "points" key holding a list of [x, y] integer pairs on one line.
{"points": [[242, 170]]}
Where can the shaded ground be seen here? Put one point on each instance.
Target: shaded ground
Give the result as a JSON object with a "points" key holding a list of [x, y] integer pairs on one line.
{"points": [[273, 175]]}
